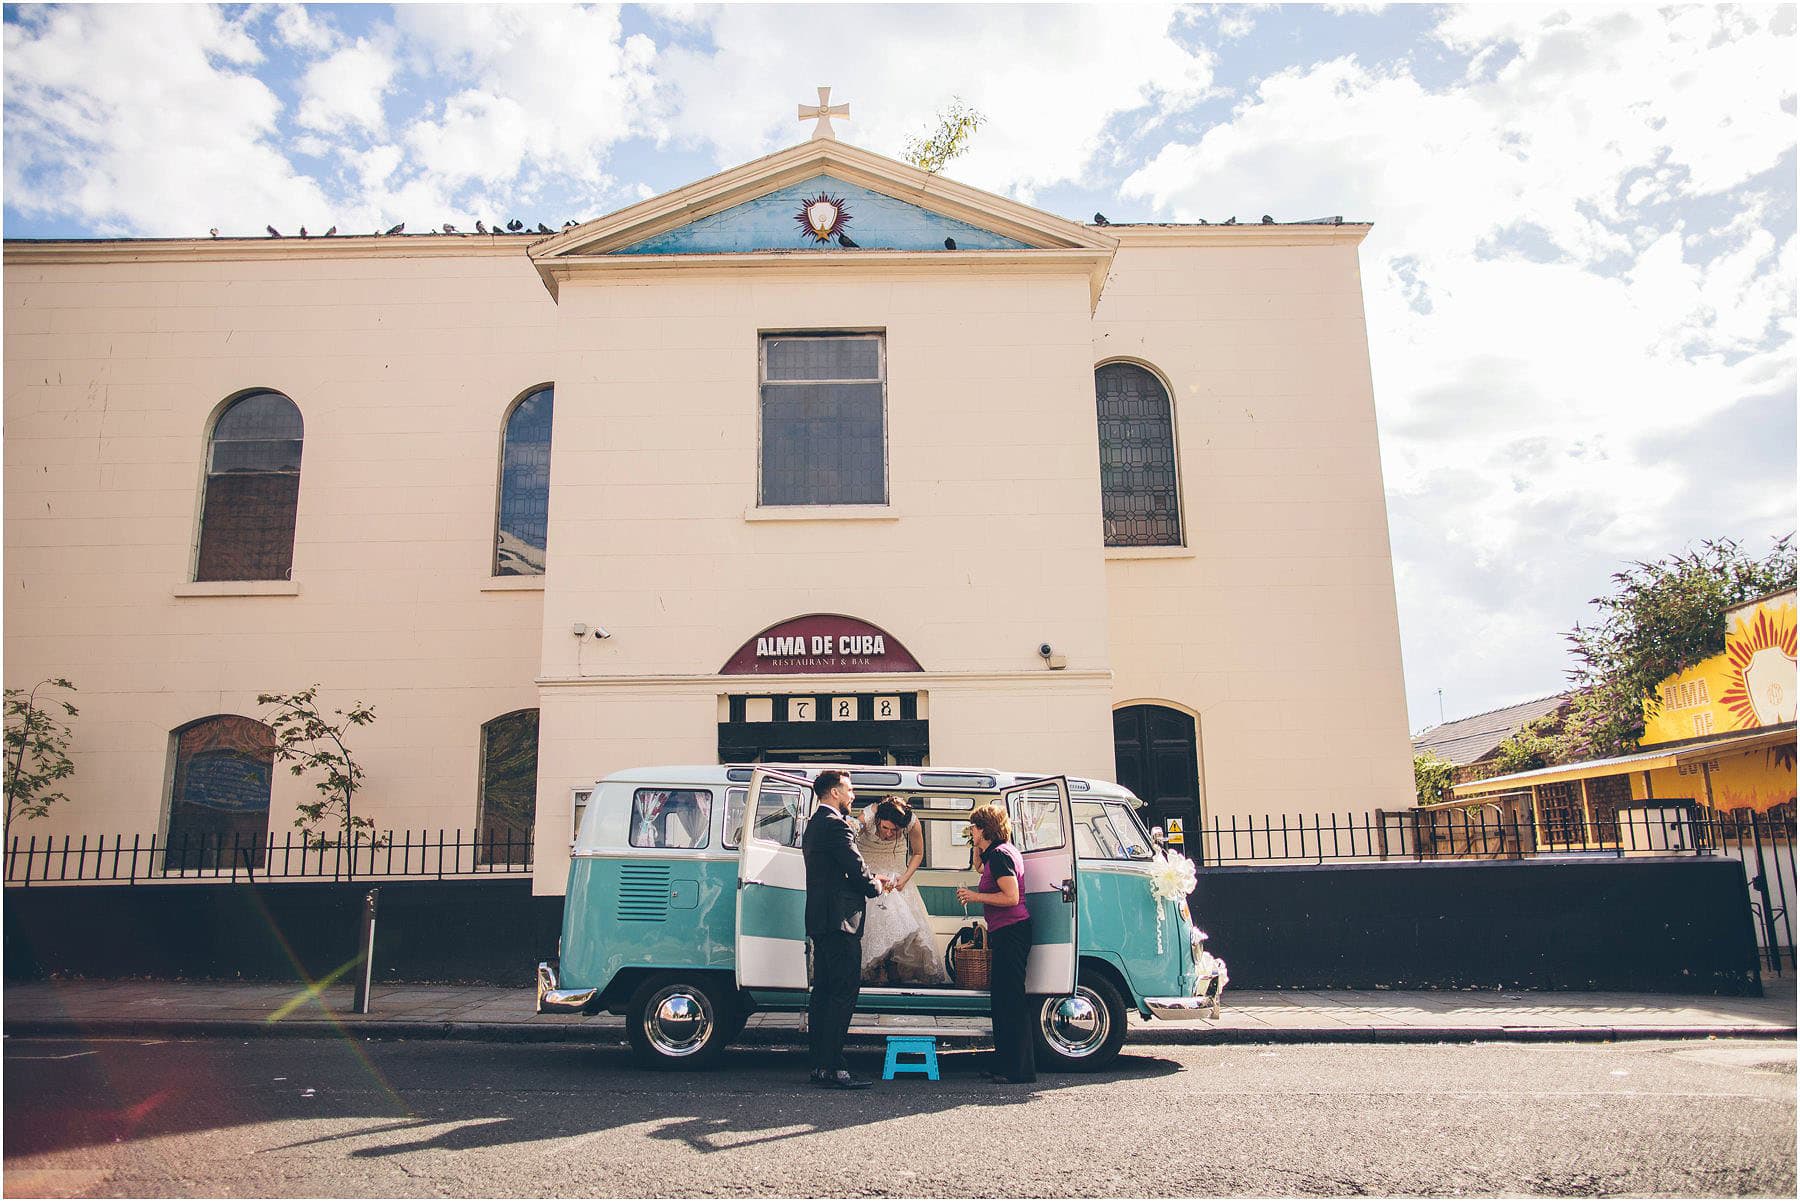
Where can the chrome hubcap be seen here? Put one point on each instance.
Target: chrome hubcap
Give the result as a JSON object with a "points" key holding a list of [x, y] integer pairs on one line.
{"points": [[678, 1020], [1075, 1026]]}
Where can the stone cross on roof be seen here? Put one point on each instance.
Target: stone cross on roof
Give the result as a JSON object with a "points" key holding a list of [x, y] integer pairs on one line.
{"points": [[823, 112]]}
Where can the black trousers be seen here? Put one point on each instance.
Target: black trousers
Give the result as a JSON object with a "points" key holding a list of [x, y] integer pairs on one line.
{"points": [[836, 982], [1014, 1053]]}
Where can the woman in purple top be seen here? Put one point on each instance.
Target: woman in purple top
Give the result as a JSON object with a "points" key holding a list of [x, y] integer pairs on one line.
{"points": [[1001, 891]]}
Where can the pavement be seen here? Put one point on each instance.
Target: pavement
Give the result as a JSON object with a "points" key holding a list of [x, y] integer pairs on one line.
{"points": [[506, 1014]]}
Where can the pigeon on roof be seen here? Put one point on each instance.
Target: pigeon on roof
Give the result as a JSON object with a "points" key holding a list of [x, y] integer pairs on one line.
{"points": [[214, 231], [273, 232], [480, 227], [1100, 219], [1268, 220], [949, 243], [398, 229], [544, 229]]}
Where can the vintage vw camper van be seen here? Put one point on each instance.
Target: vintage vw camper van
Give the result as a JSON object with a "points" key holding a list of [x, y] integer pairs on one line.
{"points": [[685, 909]]}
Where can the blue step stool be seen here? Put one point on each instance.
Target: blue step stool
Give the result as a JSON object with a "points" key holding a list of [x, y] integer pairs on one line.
{"points": [[911, 1045]]}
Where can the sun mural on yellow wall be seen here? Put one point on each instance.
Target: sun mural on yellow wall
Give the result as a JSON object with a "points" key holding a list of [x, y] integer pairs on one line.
{"points": [[1759, 668]]}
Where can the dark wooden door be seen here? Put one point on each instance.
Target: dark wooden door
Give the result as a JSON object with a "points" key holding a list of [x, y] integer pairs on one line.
{"points": [[1155, 756]]}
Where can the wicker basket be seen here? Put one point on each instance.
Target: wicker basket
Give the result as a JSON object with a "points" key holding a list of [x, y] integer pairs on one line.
{"points": [[972, 964]]}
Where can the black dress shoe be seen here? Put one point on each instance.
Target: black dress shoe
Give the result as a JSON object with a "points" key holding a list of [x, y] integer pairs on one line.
{"points": [[841, 1080]]}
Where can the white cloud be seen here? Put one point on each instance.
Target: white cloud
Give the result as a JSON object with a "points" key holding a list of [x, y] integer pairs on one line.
{"points": [[1541, 336], [552, 89], [347, 89], [300, 30], [141, 120], [1049, 80]]}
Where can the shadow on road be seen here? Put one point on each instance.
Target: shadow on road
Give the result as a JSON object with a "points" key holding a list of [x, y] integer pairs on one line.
{"points": [[412, 1097]]}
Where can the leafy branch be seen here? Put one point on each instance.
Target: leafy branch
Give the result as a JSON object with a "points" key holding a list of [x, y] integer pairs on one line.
{"points": [[37, 750], [311, 742], [956, 125]]}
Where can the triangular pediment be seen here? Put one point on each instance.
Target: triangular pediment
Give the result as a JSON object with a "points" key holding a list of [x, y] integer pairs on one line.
{"points": [[893, 206], [872, 220]]}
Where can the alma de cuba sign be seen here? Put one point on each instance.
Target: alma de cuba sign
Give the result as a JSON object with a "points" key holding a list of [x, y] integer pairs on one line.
{"points": [[820, 644]]}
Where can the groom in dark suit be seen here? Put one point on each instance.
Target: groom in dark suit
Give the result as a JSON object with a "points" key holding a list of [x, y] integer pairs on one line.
{"points": [[838, 886]]}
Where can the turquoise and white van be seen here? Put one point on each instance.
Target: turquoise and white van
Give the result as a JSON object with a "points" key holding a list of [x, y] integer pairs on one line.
{"points": [[687, 919]]}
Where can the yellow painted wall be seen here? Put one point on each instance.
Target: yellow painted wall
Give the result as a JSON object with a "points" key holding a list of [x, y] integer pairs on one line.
{"points": [[1750, 685], [1754, 780]]}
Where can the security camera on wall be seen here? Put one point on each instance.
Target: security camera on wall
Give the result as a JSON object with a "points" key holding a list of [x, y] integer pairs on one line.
{"points": [[1051, 658], [601, 632]]}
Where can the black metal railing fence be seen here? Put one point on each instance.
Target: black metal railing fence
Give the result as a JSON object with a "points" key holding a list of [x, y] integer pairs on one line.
{"points": [[149, 860], [1763, 843]]}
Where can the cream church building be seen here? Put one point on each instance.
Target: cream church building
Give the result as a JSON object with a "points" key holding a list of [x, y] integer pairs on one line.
{"points": [[821, 458]]}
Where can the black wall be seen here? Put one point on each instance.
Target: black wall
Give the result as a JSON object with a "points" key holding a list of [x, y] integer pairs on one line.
{"points": [[486, 931], [1678, 925], [1675, 925]]}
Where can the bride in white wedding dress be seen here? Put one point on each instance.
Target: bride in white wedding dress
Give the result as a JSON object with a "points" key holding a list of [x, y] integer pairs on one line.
{"points": [[897, 943]]}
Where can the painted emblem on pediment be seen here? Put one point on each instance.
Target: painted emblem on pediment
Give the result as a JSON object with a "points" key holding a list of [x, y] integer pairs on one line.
{"points": [[824, 217]]}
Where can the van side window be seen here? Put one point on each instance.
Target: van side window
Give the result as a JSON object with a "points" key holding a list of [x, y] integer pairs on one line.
{"points": [[679, 818], [780, 816], [946, 846], [1037, 822], [734, 817]]}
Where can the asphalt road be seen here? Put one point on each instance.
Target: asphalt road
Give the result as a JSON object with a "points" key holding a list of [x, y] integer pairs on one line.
{"points": [[292, 1117]]}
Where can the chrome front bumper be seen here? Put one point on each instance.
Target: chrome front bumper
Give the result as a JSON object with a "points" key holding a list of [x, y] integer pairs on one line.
{"points": [[552, 1000], [1209, 990]]}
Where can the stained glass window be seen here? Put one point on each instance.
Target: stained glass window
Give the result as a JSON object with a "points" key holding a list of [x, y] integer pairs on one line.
{"points": [[219, 802], [824, 420], [509, 752], [1140, 498], [521, 532], [252, 491]]}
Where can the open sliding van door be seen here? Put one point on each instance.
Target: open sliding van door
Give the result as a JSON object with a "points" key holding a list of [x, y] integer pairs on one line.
{"points": [[771, 898], [1044, 833]]}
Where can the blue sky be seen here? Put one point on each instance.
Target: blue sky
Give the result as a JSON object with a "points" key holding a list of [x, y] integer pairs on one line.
{"points": [[1580, 286]]}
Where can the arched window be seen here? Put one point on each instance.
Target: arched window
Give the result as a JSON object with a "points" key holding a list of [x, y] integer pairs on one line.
{"points": [[252, 490], [509, 752], [1139, 493], [522, 525], [219, 798]]}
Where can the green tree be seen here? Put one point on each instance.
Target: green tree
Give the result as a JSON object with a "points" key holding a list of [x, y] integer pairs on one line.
{"points": [[956, 125], [1660, 618], [311, 742], [1431, 777], [37, 750]]}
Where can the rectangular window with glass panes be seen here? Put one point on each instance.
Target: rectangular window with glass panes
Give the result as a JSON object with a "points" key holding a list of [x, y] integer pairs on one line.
{"points": [[824, 419]]}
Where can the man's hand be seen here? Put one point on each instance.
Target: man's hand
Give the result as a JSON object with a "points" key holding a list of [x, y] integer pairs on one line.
{"points": [[965, 896]]}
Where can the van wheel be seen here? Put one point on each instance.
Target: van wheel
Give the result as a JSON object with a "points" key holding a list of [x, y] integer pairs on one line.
{"points": [[1080, 1032], [678, 1020]]}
